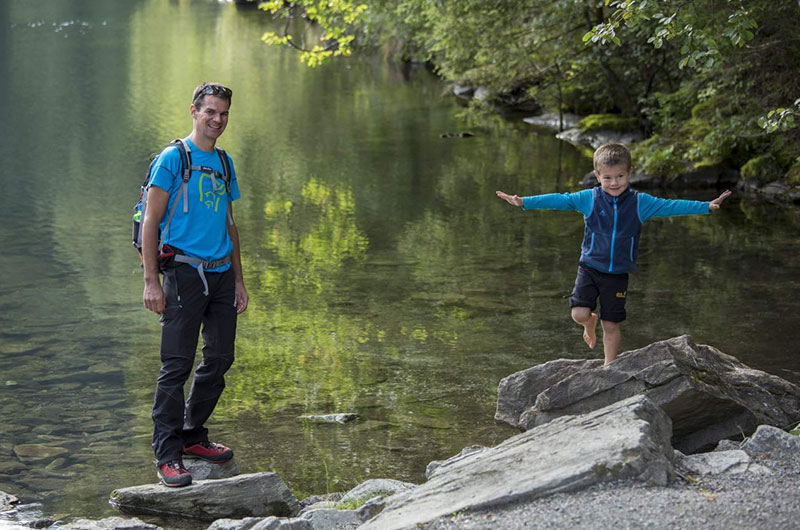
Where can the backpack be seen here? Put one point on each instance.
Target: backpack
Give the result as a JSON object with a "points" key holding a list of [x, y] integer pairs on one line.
{"points": [[186, 173]]}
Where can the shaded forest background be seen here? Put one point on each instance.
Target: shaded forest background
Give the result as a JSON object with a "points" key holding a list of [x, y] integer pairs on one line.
{"points": [[708, 82]]}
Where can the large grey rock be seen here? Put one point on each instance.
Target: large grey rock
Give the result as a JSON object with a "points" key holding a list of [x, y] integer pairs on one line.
{"points": [[377, 486], [203, 470], [708, 395], [518, 392], [627, 440], [253, 495], [774, 442], [109, 523]]}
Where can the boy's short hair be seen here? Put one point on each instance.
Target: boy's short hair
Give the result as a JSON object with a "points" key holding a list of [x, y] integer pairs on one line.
{"points": [[612, 154]]}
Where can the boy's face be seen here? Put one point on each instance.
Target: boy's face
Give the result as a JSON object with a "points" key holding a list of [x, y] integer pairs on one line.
{"points": [[613, 179]]}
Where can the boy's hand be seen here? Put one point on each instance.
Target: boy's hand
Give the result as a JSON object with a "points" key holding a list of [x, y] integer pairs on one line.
{"points": [[515, 200], [716, 203]]}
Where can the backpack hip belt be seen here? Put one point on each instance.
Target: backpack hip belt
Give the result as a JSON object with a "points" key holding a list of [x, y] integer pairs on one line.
{"points": [[202, 266]]}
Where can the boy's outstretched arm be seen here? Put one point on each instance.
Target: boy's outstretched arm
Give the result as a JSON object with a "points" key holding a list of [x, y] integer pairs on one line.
{"points": [[716, 203], [514, 200]]}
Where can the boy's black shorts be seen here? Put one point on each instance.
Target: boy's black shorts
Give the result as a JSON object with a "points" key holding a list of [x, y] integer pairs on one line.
{"points": [[612, 289]]}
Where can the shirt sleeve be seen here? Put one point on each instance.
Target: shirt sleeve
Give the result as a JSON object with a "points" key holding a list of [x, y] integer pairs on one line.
{"points": [[166, 169], [572, 202], [650, 207]]}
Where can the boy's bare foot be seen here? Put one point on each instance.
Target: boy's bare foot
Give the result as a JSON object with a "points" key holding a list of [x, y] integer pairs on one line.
{"points": [[589, 334]]}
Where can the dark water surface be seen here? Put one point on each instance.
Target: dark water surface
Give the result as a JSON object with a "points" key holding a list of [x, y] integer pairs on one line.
{"points": [[385, 277]]}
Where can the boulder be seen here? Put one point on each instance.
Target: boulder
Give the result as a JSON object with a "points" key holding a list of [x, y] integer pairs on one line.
{"points": [[774, 442], [708, 395], [376, 486], [109, 523], [437, 465], [627, 440], [253, 495], [719, 463], [203, 470]]}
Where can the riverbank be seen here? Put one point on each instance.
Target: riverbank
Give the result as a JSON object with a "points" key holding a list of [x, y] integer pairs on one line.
{"points": [[598, 450]]}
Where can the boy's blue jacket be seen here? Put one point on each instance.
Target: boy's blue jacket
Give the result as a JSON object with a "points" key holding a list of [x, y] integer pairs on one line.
{"points": [[613, 224]]}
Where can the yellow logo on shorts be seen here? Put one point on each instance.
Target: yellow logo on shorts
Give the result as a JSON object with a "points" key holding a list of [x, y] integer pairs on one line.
{"points": [[622, 294]]}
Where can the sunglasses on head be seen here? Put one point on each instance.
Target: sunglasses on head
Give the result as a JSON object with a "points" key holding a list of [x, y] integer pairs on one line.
{"points": [[214, 90]]}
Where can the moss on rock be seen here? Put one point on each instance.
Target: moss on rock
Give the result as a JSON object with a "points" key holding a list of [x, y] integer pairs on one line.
{"points": [[762, 169], [608, 122]]}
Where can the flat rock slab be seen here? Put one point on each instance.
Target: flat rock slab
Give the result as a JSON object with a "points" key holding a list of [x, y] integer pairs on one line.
{"points": [[627, 440], [252, 495], [708, 395]]}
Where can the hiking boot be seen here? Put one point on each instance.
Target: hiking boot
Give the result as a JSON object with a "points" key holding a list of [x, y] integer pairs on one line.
{"points": [[209, 451], [173, 474]]}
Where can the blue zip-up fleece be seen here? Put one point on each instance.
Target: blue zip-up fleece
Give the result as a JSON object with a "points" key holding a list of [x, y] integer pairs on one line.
{"points": [[613, 224]]}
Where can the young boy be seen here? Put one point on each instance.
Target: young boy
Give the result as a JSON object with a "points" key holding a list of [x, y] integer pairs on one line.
{"points": [[613, 214]]}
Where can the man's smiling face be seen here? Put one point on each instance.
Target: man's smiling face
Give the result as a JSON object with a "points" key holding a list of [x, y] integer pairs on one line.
{"points": [[211, 117]]}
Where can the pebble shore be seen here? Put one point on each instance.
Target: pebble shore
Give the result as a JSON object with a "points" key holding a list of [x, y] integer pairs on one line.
{"points": [[723, 502]]}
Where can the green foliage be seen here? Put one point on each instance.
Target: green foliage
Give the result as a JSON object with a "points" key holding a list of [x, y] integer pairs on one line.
{"points": [[781, 119], [796, 430], [657, 157], [337, 21], [762, 169]]}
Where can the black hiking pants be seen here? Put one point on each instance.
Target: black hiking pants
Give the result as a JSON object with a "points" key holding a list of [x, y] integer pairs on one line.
{"points": [[176, 422]]}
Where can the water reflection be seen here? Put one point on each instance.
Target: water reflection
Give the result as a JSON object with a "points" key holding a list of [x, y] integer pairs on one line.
{"points": [[386, 278]]}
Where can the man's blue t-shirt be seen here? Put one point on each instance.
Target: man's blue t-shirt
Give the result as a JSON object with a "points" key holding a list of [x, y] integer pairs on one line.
{"points": [[203, 231]]}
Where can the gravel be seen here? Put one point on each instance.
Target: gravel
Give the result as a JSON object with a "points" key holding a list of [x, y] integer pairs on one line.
{"points": [[725, 502]]}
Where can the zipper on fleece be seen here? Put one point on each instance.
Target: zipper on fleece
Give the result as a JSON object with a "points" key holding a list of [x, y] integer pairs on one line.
{"points": [[613, 237]]}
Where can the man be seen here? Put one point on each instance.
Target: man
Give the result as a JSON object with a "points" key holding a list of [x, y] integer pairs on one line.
{"points": [[196, 247]]}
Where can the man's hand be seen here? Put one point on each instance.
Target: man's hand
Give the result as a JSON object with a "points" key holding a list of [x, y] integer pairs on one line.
{"points": [[514, 200], [241, 298], [716, 203], [153, 297]]}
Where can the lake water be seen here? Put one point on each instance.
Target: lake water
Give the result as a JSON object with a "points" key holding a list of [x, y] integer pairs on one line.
{"points": [[385, 277]]}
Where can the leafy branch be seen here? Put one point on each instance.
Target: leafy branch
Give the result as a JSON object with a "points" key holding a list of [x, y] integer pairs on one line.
{"points": [[338, 20]]}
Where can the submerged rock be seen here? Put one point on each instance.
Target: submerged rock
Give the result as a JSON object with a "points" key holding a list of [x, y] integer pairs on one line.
{"points": [[627, 440], [36, 452], [710, 396], [253, 495], [344, 417]]}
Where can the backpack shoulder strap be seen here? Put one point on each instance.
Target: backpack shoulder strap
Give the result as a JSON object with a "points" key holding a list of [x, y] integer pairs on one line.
{"points": [[226, 167]]}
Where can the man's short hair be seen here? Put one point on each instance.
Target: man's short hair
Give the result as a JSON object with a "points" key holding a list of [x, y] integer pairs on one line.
{"points": [[209, 88], [612, 154]]}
